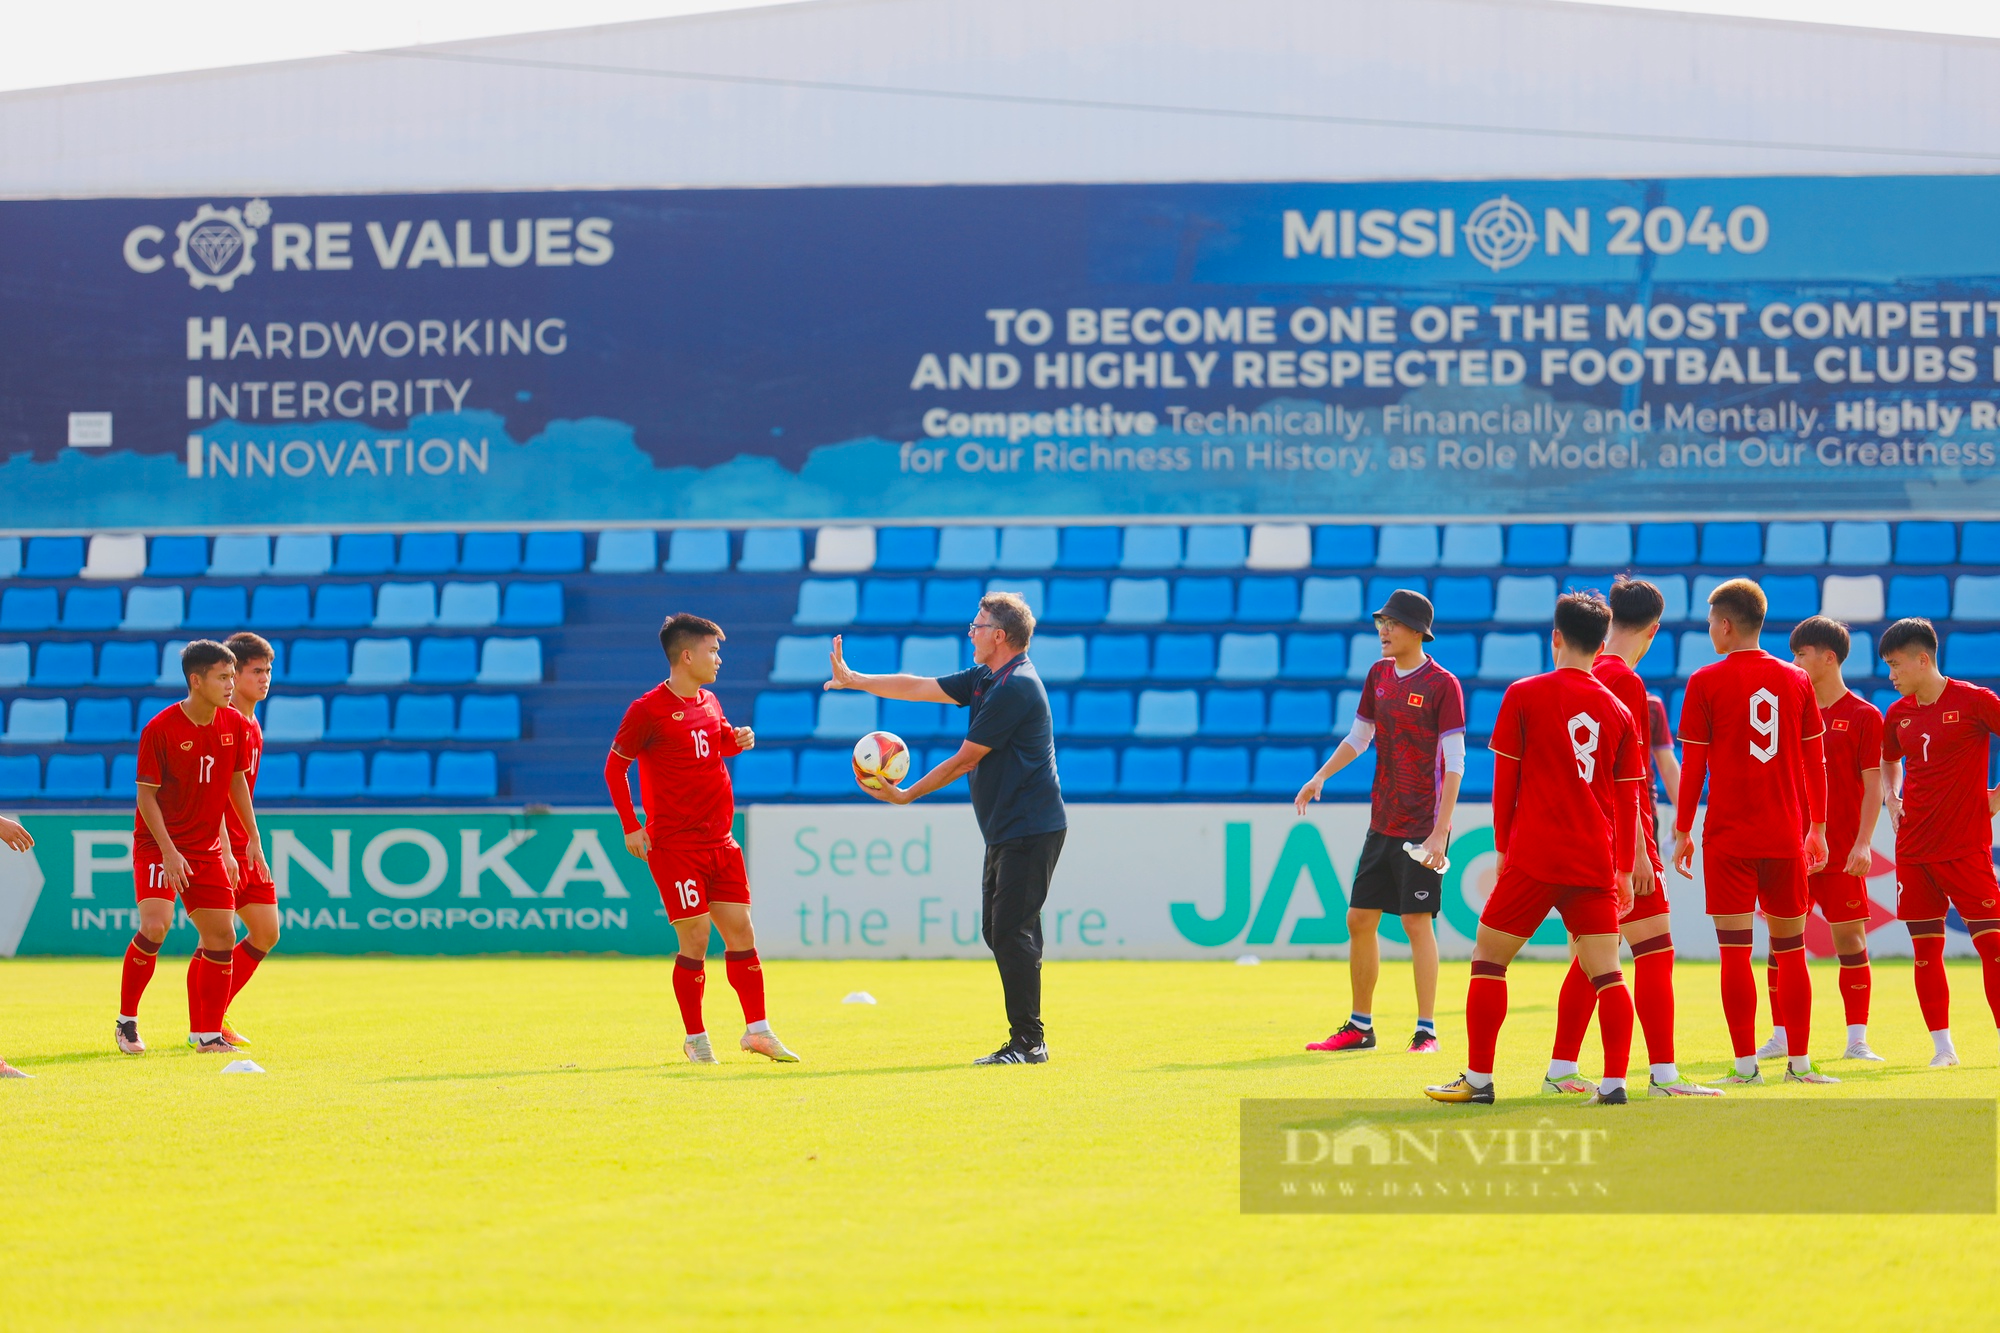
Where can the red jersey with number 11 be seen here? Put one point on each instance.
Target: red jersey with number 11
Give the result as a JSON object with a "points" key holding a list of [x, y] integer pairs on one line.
{"points": [[253, 743], [1943, 746], [679, 745]]}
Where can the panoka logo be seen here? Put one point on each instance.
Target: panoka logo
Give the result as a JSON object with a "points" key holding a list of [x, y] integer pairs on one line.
{"points": [[218, 245]]}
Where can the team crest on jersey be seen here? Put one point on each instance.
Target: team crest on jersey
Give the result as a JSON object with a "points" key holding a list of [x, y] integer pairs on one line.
{"points": [[1904, 723], [1416, 701], [679, 716], [1952, 716], [187, 745]]}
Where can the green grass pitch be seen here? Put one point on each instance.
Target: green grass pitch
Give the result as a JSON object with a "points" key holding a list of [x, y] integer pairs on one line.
{"points": [[516, 1143]]}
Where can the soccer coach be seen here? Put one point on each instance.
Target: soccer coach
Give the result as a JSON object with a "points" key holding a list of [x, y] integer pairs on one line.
{"points": [[1010, 752]]}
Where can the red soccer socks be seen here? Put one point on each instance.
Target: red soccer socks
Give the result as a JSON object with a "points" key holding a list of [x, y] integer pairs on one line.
{"points": [[1614, 1019], [1857, 982], [208, 990], [1485, 1011], [690, 979], [1986, 939], [1933, 989], [1574, 1007], [1739, 991], [140, 956], [242, 966], [1653, 995], [1794, 992], [746, 975]]}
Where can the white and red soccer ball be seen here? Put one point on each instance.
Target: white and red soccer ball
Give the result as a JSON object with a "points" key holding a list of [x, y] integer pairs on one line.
{"points": [[881, 757]]}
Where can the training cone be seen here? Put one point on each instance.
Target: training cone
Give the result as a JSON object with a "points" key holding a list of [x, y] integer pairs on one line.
{"points": [[243, 1067], [858, 997]]}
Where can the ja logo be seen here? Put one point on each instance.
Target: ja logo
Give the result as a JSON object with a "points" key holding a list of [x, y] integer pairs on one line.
{"points": [[1304, 854], [218, 245]]}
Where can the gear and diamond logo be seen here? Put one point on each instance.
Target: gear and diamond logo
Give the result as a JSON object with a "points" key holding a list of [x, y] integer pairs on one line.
{"points": [[1499, 233], [218, 245]]}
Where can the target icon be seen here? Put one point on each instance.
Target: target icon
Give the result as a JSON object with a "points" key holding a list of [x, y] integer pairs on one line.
{"points": [[1499, 233]]}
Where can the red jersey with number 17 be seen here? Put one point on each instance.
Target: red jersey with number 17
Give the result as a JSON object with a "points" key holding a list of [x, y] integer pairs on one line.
{"points": [[1575, 743], [1943, 746], [253, 743], [192, 766], [679, 745], [1753, 714]]}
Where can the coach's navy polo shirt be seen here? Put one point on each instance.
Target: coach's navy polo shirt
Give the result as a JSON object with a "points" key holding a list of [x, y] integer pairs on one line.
{"points": [[1015, 792]]}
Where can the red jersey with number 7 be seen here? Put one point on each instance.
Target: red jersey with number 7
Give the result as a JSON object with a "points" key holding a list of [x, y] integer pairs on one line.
{"points": [[1943, 746], [192, 766], [679, 745], [1575, 742], [1755, 718]]}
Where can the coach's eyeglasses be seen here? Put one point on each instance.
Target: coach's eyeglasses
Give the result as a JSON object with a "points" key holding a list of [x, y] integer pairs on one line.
{"points": [[978, 625]]}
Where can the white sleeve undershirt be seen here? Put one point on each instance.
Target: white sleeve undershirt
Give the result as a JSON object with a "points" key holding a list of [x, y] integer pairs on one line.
{"points": [[1360, 734], [1363, 732]]}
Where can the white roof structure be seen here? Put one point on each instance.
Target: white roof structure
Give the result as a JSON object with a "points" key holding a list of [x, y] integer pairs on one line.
{"points": [[859, 92]]}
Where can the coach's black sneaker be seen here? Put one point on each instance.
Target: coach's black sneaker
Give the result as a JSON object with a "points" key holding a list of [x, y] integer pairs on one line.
{"points": [[1461, 1090], [1010, 1054], [1607, 1097]]}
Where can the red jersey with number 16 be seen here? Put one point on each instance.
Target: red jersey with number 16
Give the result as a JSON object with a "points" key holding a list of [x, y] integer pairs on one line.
{"points": [[191, 765], [1575, 743], [1943, 746], [1754, 716], [679, 745]]}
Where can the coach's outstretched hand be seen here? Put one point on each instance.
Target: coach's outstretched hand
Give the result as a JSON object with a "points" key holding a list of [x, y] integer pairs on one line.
{"points": [[14, 835], [843, 677]]}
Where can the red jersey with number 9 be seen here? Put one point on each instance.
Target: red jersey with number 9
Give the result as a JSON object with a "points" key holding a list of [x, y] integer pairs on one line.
{"points": [[679, 745], [1943, 746], [191, 765], [1754, 714]]}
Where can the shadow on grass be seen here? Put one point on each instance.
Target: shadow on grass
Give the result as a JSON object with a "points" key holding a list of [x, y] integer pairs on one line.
{"points": [[74, 1058], [1297, 1060], [676, 1071], [487, 1076]]}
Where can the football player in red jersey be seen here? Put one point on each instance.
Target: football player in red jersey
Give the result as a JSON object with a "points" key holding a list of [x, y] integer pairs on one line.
{"points": [[19, 839], [1751, 727], [1853, 745], [1664, 758], [192, 758], [679, 737], [1636, 607], [256, 894], [1935, 746], [1413, 710], [1568, 765]]}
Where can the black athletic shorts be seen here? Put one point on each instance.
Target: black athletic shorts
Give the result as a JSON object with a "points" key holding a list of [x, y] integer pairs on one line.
{"points": [[1388, 880]]}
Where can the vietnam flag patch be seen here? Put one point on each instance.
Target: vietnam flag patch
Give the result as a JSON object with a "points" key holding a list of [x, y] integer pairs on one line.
{"points": [[1840, 724], [1952, 716], [1416, 701]]}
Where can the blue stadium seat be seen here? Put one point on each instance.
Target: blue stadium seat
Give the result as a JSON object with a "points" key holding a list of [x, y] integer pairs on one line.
{"points": [[300, 554], [1363, 652], [151, 708], [490, 553], [1865, 543], [1268, 600], [1355, 780], [1976, 597], [1791, 596], [427, 553], [889, 602], [1301, 712], [1137, 602], [295, 719], [1059, 711], [1147, 771], [1151, 546], [560, 553], [825, 773], [911, 717], [762, 772], [488, 717], [1101, 713], [403, 605], [1029, 548], [1456, 653], [532, 605], [1471, 546], [1380, 588], [1316, 656], [424, 717], [20, 776], [37, 722], [318, 662], [364, 553], [1407, 546], [14, 664], [1483, 710], [1196, 601], [1189, 656], [1282, 769], [1927, 595], [272, 606], [100, 720], [53, 558], [1925, 543], [690, 551], [626, 551], [1343, 547], [1331, 601], [1666, 544], [400, 773], [1167, 714], [1244, 657], [1059, 657], [1608, 544], [334, 774], [1117, 657], [827, 602], [1979, 544], [74, 777], [358, 717], [1028, 590], [772, 551], [468, 605], [128, 664], [952, 602], [177, 558], [446, 662], [932, 654], [220, 610], [1791, 544], [1776, 642], [91, 609], [63, 664], [386, 662], [510, 662], [28, 609], [1965, 654], [277, 776], [10, 557], [341, 605], [1733, 544], [1510, 656], [1537, 545], [906, 549], [1696, 652], [1232, 713], [1658, 663], [1861, 662], [869, 653], [240, 555], [1525, 599], [1478, 777], [1216, 771], [170, 674], [125, 773], [154, 608], [1882, 699], [467, 774], [1088, 772], [1216, 546], [1090, 547], [802, 659], [1462, 598], [966, 548], [1077, 601], [845, 715], [1673, 592]]}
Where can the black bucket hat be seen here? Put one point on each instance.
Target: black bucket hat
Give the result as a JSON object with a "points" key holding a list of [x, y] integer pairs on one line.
{"points": [[1406, 607]]}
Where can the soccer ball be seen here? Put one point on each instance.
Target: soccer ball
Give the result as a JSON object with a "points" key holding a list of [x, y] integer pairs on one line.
{"points": [[881, 757]]}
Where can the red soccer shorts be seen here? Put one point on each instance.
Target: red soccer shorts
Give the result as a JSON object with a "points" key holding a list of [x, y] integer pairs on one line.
{"points": [[207, 886], [1652, 904], [255, 891], [1739, 885], [1925, 888], [690, 878], [1520, 903], [1839, 896]]}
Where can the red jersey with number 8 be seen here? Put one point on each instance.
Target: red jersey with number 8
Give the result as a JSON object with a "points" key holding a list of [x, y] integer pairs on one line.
{"points": [[1754, 714], [679, 745], [1943, 746], [1575, 743], [191, 765]]}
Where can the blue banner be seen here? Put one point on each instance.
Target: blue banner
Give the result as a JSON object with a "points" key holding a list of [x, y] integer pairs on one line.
{"points": [[1415, 348]]}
